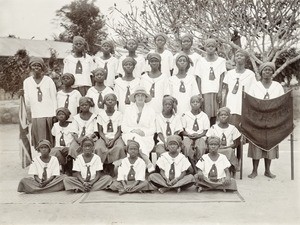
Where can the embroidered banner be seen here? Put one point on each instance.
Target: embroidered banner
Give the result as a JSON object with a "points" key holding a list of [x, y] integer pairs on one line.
{"points": [[267, 122]]}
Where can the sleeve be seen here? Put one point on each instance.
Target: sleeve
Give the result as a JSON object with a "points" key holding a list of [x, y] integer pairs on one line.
{"points": [[78, 96], [225, 80], [235, 133], [98, 163], [206, 122], [185, 164], [126, 127], [66, 66], [121, 172], [56, 170], [178, 124], [119, 119], [74, 127], [210, 132], [53, 130], [200, 164], [225, 162], [151, 128], [166, 87], [141, 170], [161, 163], [26, 94], [223, 66], [171, 61], [33, 168], [53, 94], [157, 123], [195, 89], [76, 165], [280, 89], [184, 121]]}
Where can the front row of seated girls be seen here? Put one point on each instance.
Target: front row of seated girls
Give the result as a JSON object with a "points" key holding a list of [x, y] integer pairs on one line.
{"points": [[212, 173]]}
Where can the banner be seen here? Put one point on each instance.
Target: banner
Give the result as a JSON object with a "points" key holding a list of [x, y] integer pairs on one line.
{"points": [[24, 141], [267, 122]]}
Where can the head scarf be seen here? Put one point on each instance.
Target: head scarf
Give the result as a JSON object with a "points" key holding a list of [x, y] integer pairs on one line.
{"points": [[99, 70], [189, 36], [38, 60], [86, 100], [175, 138], [213, 139], [182, 54], [86, 138], [69, 75], [132, 143], [173, 100], [266, 64], [43, 142], [129, 59], [80, 39], [241, 51], [109, 95], [224, 109], [201, 100], [154, 56], [140, 90], [163, 35], [65, 111], [211, 41]]}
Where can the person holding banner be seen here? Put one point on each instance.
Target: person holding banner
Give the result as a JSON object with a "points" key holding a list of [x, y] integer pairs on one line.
{"points": [[266, 88]]}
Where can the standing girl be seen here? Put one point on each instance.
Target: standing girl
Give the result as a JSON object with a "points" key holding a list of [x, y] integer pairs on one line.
{"points": [[40, 100], [87, 167], [108, 62], [266, 88], [167, 123], [80, 64], [155, 82], [131, 46], [84, 124], [68, 97], [182, 87], [110, 144], [126, 84], [98, 91], [210, 74], [195, 125], [45, 171]]}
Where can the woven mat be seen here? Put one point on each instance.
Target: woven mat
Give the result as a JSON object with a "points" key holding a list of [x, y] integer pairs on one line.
{"points": [[187, 196]]}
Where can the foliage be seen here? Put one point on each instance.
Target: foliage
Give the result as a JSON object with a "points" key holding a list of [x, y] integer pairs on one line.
{"points": [[269, 28], [14, 71], [82, 17]]}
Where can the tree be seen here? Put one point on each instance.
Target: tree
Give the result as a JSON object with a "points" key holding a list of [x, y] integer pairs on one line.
{"points": [[82, 17], [270, 27]]}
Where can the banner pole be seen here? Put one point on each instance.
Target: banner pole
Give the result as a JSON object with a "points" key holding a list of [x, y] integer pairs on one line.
{"points": [[292, 156], [241, 158]]}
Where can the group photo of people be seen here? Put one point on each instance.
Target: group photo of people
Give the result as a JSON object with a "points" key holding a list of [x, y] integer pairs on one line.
{"points": [[143, 123]]}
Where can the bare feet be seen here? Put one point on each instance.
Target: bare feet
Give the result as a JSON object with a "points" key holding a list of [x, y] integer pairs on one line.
{"points": [[163, 190], [178, 190], [252, 175], [269, 174], [199, 189], [122, 192]]}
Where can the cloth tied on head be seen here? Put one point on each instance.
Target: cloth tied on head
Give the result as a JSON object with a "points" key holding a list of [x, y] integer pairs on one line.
{"points": [[64, 110], [163, 35], [267, 64], [129, 59], [211, 41], [43, 142], [109, 95], [224, 109], [154, 55], [71, 76], [241, 51], [140, 90], [86, 100], [213, 139], [38, 60], [189, 36], [175, 138], [99, 70], [79, 39], [173, 100], [133, 143]]}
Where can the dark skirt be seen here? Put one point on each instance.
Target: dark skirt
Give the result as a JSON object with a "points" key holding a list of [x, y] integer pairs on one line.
{"points": [[257, 153], [210, 105], [41, 129]]}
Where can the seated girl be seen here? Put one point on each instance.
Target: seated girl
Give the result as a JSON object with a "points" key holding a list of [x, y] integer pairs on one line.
{"points": [[173, 166], [213, 173], [167, 123], [111, 145], [195, 124], [45, 171], [131, 172], [229, 135], [83, 124], [87, 167], [61, 130]]}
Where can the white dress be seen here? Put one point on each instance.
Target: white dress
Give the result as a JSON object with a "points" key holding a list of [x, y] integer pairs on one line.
{"points": [[94, 94], [146, 124], [167, 62], [57, 132], [80, 166], [139, 67], [257, 90], [112, 68], [37, 167], [90, 125], [121, 90], [195, 57], [139, 167], [87, 63], [246, 80], [74, 97], [103, 120], [161, 85], [231, 133], [188, 120], [191, 89]]}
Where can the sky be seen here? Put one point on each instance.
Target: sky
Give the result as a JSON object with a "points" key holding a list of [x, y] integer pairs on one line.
{"points": [[36, 18]]}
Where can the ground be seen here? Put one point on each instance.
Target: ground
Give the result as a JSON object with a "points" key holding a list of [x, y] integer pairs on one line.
{"points": [[267, 201]]}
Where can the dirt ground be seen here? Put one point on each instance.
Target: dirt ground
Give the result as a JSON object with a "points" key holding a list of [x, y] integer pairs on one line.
{"points": [[267, 201]]}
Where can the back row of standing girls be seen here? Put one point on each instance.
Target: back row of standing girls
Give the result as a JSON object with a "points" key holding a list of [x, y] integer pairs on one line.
{"points": [[193, 75]]}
